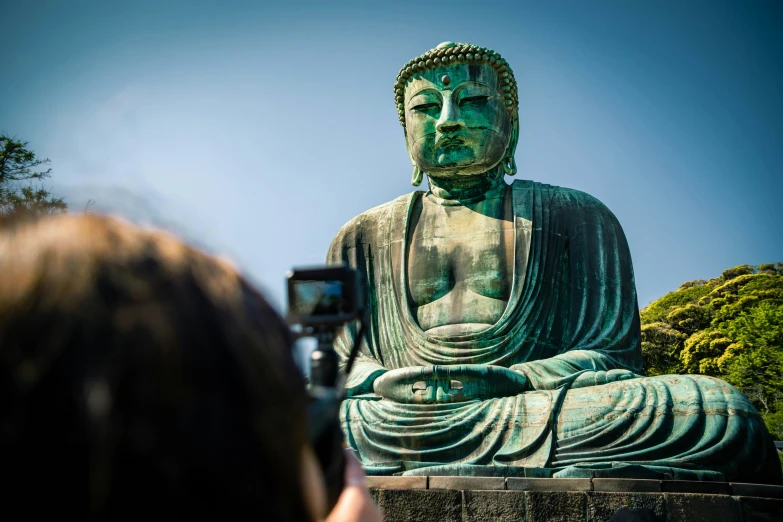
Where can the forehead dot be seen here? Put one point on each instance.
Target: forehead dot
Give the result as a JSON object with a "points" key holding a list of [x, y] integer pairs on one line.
{"points": [[446, 79]]}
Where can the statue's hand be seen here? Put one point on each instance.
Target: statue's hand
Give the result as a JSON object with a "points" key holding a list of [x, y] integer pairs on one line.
{"points": [[444, 384], [598, 378]]}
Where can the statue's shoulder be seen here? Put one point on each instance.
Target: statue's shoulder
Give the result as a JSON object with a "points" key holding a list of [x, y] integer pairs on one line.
{"points": [[562, 199], [370, 222]]}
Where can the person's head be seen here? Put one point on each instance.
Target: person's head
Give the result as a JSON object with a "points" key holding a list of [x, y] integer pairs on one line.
{"points": [[139, 376], [458, 104]]}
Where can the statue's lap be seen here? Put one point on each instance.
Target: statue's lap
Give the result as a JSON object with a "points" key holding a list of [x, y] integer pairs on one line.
{"points": [[660, 422]]}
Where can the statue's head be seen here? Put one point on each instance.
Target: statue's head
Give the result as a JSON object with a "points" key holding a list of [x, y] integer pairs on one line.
{"points": [[458, 104]]}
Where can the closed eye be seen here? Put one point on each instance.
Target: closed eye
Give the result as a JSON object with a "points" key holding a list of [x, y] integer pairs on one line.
{"points": [[426, 107], [474, 99]]}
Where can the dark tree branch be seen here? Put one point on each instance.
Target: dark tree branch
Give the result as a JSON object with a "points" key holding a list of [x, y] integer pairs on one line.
{"points": [[19, 168]]}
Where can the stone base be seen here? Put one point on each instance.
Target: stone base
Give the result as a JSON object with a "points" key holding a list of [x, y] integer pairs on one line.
{"points": [[489, 499]]}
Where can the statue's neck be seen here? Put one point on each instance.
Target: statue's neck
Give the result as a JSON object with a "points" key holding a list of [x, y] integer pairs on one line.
{"points": [[466, 189]]}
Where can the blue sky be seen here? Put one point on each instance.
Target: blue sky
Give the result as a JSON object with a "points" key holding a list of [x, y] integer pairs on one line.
{"points": [[257, 129]]}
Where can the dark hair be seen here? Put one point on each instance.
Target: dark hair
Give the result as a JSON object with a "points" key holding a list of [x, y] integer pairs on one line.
{"points": [[141, 377]]}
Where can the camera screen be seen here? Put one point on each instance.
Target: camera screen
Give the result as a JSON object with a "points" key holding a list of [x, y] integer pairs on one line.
{"points": [[318, 298]]}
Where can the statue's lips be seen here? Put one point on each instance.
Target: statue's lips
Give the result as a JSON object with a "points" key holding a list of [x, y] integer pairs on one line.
{"points": [[451, 141], [453, 152]]}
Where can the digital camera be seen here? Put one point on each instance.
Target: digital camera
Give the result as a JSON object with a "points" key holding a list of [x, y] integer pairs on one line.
{"points": [[321, 301]]}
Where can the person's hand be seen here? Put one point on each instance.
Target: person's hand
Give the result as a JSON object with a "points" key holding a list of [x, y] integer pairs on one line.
{"points": [[354, 504], [447, 384]]}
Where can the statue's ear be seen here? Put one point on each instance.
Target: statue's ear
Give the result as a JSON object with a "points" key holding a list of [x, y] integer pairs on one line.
{"points": [[509, 163], [418, 175], [512, 144]]}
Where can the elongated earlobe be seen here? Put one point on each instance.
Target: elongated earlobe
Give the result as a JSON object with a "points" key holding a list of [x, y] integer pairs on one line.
{"points": [[509, 166], [417, 176], [509, 163]]}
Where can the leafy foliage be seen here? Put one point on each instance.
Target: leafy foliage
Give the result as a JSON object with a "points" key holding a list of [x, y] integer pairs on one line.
{"points": [[21, 176], [730, 327]]}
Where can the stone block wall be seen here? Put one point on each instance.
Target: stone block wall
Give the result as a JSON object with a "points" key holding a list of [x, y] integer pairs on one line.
{"points": [[493, 499]]}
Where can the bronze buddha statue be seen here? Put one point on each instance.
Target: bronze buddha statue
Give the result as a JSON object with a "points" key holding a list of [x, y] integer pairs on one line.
{"points": [[504, 336]]}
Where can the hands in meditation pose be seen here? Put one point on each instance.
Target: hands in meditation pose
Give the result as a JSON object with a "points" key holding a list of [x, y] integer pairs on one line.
{"points": [[504, 336], [447, 384]]}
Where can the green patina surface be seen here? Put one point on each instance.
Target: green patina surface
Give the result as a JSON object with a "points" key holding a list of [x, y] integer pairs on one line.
{"points": [[505, 335]]}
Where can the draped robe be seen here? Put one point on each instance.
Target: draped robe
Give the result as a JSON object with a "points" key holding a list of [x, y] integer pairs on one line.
{"points": [[571, 327]]}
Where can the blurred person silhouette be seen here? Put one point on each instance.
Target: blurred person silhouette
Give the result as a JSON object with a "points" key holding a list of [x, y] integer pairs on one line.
{"points": [[140, 377]]}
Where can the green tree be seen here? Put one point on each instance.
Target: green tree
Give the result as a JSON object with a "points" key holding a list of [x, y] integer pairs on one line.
{"points": [[729, 327], [21, 175]]}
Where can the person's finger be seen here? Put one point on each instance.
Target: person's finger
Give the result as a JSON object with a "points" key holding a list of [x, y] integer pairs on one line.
{"points": [[354, 473], [354, 504]]}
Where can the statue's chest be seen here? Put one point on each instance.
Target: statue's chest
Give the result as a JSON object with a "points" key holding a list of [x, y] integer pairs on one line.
{"points": [[457, 250]]}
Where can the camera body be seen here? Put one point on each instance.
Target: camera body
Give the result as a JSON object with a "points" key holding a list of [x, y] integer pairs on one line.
{"points": [[324, 297], [321, 301]]}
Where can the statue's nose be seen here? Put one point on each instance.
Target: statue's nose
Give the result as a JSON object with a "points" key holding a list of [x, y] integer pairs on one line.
{"points": [[450, 120], [446, 129]]}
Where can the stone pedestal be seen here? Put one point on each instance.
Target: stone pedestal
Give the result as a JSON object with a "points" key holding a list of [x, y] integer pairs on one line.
{"points": [[491, 499]]}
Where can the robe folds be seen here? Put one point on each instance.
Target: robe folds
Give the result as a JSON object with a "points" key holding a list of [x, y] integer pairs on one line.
{"points": [[572, 328]]}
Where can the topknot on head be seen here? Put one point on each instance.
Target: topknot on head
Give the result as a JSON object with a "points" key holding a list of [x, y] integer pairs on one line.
{"points": [[448, 53]]}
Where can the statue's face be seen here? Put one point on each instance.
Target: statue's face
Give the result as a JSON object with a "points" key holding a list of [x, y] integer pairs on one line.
{"points": [[456, 120]]}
